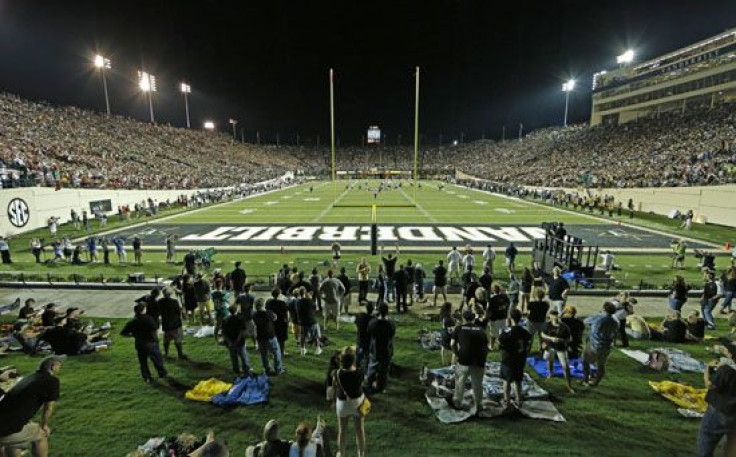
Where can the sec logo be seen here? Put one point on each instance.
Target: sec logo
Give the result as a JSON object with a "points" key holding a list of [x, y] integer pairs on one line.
{"points": [[18, 213]]}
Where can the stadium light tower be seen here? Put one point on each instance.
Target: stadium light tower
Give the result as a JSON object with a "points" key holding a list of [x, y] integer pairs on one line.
{"points": [[233, 122], [186, 89], [147, 84], [625, 58], [567, 88], [102, 64], [209, 125]]}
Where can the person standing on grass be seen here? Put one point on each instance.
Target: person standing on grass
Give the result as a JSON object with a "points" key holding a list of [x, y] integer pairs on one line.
{"points": [[470, 345], [267, 341], [204, 298], [363, 341], [709, 299], [20, 404], [389, 264], [380, 284], [527, 282], [678, 293], [603, 331], [333, 291], [345, 302], [720, 416], [498, 310], [410, 270], [364, 271], [489, 256], [558, 290], [144, 329], [729, 289], [238, 278], [515, 343], [281, 325], [349, 397], [233, 333], [440, 282], [382, 332], [510, 254], [221, 303], [119, 243], [170, 248], [454, 259], [537, 315], [336, 248], [557, 337], [400, 282], [171, 323], [308, 324]]}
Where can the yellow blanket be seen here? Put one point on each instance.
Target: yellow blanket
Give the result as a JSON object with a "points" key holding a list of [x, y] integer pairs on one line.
{"points": [[684, 396], [205, 390]]}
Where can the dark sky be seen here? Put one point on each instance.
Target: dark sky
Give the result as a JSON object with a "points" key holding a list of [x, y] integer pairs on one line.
{"points": [[484, 64]]}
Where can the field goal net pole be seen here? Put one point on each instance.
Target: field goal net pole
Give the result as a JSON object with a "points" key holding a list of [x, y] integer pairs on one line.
{"points": [[374, 229], [332, 135], [416, 133]]}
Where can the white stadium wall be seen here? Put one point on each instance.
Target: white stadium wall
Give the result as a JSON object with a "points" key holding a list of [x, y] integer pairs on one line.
{"points": [[716, 203], [45, 202]]}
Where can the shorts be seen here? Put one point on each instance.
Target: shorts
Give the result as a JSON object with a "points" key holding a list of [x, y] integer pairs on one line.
{"points": [[310, 333], [208, 305], [550, 353], [349, 407], [452, 266], [175, 335], [440, 289], [512, 372], [497, 327], [250, 329], [31, 432], [331, 309], [597, 357]]}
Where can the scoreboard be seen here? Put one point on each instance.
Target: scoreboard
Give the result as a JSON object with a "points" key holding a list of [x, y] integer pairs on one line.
{"points": [[374, 135]]}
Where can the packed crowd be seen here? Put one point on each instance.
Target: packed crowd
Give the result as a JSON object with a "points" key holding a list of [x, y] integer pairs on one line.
{"points": [[42, 144]]}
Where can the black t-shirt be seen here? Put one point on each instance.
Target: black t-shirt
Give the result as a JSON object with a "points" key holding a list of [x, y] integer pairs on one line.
{"points": [[514, 343], [538, 311], [279, 308], [381, 332], [264, 325], [351, 383], [722, 394], [343, 278], [170, 314], [557, 331], [472, 345], [237, 277], [498, 307], [64, 340], [25, 312], [22, 402], [305, 312], [136, 244], [361, 324], [710, 289], [557, 287], [189, 262], [577, 327], [697, 329], [440, 276], [143, 328], [410, 272], [486, 281], [674, 331], [470, 290], [246, 303], [232, 328], [400, 278], [389, 265], [48, 318]]}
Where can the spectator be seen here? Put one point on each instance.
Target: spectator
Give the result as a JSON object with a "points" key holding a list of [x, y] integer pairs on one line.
{"points": [[233, 332], [470, 345], [558, 290], [266, 337], [453, 262], [350, 398], [308, 324], [498, 310], [364, 271], [510, 254], [440, 282], [603, 329], [400, 282], [333, 291], [281, 325], [382, 332], [515, 342], [238, 278], [363, 343], [489, 256], [144, 328], [678, 293], [556, 337], [381, 286], [389, 264], [343, 277], [171, 324], [537, 315], [720, 417], [709, 299]]}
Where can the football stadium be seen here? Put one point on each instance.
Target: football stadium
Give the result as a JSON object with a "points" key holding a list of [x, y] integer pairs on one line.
{"points": [[277, 239]]}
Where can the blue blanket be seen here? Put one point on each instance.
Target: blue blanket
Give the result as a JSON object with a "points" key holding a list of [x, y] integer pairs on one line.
{"points": [[540, 366], [245, 392]]}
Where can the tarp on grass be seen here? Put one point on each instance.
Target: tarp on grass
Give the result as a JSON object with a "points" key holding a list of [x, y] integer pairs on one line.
{"points": [[246, 391], [540, 366]]}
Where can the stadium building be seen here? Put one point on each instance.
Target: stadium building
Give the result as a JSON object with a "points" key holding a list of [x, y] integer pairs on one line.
{"points": [[701, 74]]}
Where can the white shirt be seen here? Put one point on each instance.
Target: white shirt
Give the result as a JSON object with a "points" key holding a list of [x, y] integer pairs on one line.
{"points": [[607, 260], [454, 256], [469, 260], [489, 254]]}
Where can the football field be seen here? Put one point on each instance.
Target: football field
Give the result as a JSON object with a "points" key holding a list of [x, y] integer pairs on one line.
{"points": [[432, 217]]}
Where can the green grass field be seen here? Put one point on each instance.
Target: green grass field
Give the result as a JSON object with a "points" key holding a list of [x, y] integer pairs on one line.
{"points": [[105, 405]]}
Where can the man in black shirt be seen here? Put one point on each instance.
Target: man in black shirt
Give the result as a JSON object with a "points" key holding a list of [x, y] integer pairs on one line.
{"points": [[266, 336], [556, 337], [233, 332], [498, 311], [308, 324], [281, 325], [577, 327], [410, 270], [400, 280], [170, 312], [389, 264], [515, 343], [144, 328], [22, 402], [558, 290], [363, 343], [486, 279], [151, 303], [381, 331], [27, 311], [720, 417], [237, 278], [190, 263], [343, 278], [470, 344], [48, 318], [440, 282]]}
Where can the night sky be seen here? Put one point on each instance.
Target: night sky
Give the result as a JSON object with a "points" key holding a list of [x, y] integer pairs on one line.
{"points": [[484, 64]]}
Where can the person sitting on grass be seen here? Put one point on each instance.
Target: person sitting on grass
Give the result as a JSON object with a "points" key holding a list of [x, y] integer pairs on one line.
{"points": [[636, 327], [272, 445], [556, 337], [537, 315], [674, 330], [69, 341], [515, 343], [28, 312], [696, 326], [310, 444], [211, 448], [603, 330]]}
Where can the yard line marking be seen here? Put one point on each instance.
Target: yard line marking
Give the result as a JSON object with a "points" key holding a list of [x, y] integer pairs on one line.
{"points": [[421, 209], [329, 207]]}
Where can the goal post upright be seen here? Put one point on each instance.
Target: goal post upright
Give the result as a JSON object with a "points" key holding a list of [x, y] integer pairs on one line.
{"points": [[416, 133], [332, 135]]}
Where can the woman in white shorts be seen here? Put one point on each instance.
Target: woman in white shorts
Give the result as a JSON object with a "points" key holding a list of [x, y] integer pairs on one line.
{"points": [[348, 382]]}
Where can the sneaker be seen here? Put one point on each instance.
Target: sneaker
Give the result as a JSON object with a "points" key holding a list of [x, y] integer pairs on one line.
{"points": [[281, 371], [318, 351], [303, 351]]}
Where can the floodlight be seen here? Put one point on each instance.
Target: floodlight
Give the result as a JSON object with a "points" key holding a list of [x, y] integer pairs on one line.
{"points": [[101, 62], [146, 82], [209, 125], [186, 88], [568, 86], [626, 57]]}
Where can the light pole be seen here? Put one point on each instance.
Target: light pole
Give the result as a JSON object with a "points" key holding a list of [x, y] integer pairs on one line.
{"points": [[567, 88], [147, 84], [233, 122], [626, 58], [102, 63], [186, 89]]}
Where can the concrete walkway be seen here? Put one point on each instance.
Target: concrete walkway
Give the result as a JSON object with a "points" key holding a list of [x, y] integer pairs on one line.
{"points": [[119, 303]]}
